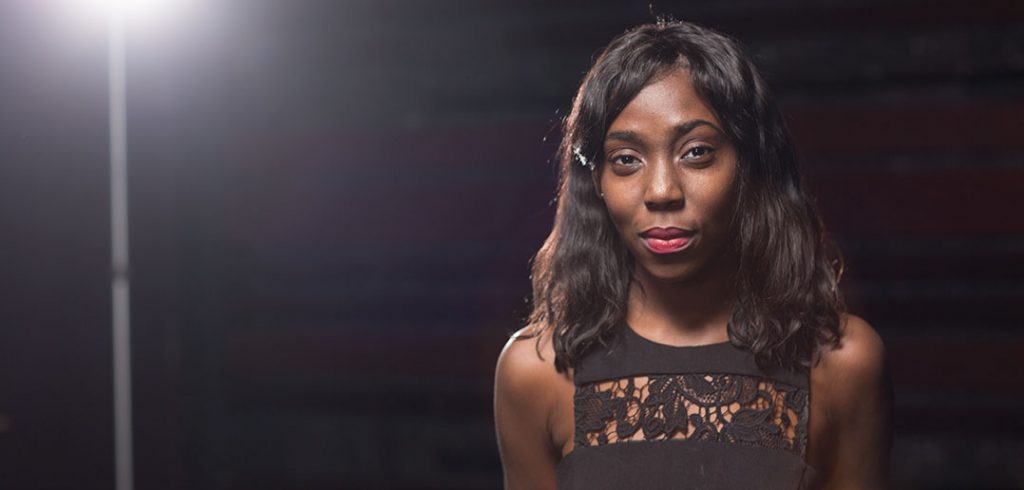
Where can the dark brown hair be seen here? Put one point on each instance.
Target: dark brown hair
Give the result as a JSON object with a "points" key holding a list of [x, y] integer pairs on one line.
{"points": [[788, 302]]}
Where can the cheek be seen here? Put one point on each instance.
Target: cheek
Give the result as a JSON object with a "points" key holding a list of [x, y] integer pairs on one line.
{"points": [[718, 200], [620, 206]]}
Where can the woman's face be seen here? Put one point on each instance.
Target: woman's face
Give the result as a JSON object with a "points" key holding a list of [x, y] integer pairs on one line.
{"points": [[669, 177]]}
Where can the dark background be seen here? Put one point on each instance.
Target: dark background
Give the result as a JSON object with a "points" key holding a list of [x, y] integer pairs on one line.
{"points": [[333, 207]]}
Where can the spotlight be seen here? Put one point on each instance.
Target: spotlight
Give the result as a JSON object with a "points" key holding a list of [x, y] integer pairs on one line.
{"points": [[128, 11]]}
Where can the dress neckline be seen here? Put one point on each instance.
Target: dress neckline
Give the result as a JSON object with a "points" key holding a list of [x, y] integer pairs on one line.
{"points": [[633, 333]]}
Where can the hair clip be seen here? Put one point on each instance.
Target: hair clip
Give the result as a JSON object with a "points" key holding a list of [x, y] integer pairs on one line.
{"points": [[583, 160]]}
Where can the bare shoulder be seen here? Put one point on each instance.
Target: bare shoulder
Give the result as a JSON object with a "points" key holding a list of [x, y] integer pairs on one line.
{"points": [[855, 367], [527, 361], [860, 349], [529, 409], [851, 410]]}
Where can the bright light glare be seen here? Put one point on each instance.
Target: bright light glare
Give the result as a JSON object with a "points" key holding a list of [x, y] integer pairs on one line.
{"points": [[128, 11]]}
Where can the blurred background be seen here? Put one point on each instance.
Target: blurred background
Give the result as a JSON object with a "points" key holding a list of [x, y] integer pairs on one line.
{"points": [[333, 205]]}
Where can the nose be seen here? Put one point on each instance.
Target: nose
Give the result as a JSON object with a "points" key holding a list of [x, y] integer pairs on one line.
{"points": [[664, 186]]}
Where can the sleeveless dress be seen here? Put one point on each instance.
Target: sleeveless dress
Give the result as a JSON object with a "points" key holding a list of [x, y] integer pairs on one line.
{"points": [[653, 416]]}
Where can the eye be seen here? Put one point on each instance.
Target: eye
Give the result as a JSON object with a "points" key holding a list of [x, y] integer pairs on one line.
{"points": [[698, 153], [627, 160]]}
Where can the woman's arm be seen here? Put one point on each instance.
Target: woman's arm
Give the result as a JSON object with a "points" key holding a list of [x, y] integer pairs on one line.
{"points": [[524, 388], [859, 407]]}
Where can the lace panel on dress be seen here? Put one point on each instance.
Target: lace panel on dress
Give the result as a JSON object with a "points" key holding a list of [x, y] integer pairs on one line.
{"points": [[706, 407]]}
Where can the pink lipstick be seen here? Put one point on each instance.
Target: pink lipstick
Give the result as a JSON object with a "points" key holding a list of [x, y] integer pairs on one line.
{"points": [[667, 240]]}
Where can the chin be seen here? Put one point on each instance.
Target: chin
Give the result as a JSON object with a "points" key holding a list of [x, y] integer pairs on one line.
{"points": [[670, 274]]}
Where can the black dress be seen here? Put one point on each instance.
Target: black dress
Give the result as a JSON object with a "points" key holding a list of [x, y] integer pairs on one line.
{"points": [[652, 416]]}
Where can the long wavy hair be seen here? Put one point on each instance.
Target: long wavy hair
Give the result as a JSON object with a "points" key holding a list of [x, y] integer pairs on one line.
{"points": [[788, 302]]}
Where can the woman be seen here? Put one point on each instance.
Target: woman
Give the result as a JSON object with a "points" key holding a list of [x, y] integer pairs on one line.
{"points": [[687, 330]]}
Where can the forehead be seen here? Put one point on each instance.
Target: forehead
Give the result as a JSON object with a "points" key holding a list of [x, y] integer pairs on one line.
{"points": [[669, 101]]}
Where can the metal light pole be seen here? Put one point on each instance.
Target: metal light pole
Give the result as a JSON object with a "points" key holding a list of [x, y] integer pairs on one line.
{"points": [[120, 281]]}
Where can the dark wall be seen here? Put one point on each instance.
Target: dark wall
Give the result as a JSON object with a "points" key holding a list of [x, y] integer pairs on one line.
{"points": [[55, 355], [333, 206]]}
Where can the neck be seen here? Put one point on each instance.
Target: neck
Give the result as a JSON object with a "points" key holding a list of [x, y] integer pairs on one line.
{"points": [[691, 312]]}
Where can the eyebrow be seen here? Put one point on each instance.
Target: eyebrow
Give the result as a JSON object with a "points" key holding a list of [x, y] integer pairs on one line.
{"points": [[680, 130]]}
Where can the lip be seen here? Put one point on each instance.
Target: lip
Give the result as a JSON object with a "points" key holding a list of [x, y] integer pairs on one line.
{"points": [[667, 240], [667, 233]]}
